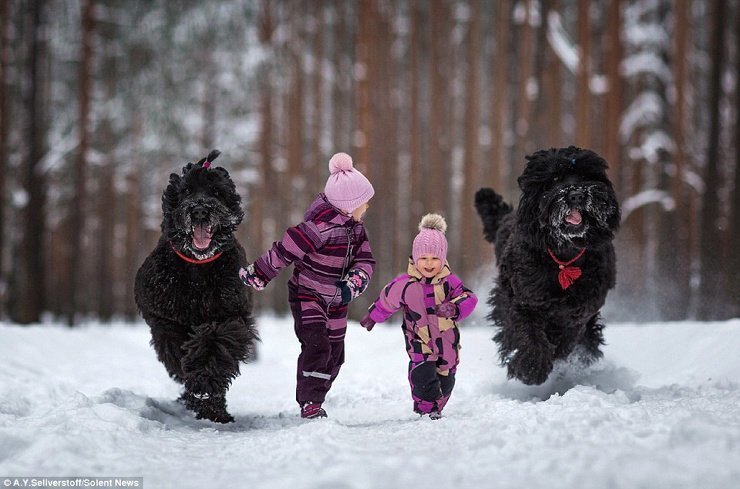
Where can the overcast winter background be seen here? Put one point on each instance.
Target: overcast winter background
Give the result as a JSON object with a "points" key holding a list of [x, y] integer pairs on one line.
{"points": [[101, 99]]}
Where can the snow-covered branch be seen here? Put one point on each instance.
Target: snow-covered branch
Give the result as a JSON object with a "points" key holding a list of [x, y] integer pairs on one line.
{"points": [[647, 197]]}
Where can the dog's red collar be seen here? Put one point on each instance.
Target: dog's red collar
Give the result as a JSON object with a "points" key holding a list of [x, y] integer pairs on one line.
{"points": [[567, 274], [193, 260]]}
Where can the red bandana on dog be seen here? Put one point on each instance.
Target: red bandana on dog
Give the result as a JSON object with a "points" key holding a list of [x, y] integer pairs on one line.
{"points": [[567, 274]]}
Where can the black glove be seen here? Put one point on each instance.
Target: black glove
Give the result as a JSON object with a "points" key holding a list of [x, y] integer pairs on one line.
{"points": [[346, 292]]}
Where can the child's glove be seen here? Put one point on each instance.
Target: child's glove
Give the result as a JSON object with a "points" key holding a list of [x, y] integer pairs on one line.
{"points": [[250, 277], [447, 310], [352, 285], [346, 292], [367, 322]]}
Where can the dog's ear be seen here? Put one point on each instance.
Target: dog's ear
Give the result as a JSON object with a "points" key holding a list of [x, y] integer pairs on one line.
{"points": [[171, 195]]}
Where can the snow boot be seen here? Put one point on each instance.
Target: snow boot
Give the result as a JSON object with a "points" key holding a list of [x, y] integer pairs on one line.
{"points": [[207, 406], [312, 410], [434, 415]]}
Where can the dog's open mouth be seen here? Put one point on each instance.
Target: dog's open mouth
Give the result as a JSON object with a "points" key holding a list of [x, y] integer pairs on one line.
{"points": [[574, 217], [202, 235]]}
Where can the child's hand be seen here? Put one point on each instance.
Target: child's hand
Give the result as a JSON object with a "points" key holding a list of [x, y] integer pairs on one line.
{"points": [[447, 310], [367, 322], [346, 292], [250, 278]]}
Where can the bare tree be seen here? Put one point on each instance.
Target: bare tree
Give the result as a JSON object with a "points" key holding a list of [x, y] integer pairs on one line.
{"points": [[436, 196], [615, 95], [79, 171], [471, 159], [734, 269], [710, 295], [674, 248], [500, 113], [583, 91], [27, 292], [5, 8]]}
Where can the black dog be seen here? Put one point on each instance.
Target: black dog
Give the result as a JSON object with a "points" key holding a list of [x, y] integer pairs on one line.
{"points": [[189, 292], [556, 261]]}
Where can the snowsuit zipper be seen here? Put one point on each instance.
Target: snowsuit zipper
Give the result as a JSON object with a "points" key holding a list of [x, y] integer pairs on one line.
{"points": [[345, 265]]}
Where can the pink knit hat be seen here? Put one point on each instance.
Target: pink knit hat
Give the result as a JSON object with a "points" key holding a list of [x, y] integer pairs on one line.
{"points": [[431, 238], [347, 189]]}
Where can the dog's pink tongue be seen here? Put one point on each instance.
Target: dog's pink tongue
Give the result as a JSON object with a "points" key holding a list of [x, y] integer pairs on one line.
{"points": [[201, 237], [574, 217]]}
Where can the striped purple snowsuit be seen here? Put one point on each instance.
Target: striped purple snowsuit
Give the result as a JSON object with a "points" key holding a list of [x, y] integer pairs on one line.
{"points": [[432, 342], [324, 248]]}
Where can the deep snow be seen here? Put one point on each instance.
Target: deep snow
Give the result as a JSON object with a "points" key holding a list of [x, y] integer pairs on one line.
{"points": [[661, 411]]}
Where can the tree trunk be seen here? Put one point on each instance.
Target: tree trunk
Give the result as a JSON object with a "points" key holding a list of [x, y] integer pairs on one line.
{"points": [[583, 93], [675, 241], [77, 212], [500, 106], [435, 197], [317, 166], [29, 277], [132, 260], [365, 36], [471, 160], [415, 137], [524, 62], [615, 96], [733, 288], [106, 236], [4, 134], [711, 297]]}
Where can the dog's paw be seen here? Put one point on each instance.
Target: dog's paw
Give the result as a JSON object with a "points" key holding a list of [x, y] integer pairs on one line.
{"points": [[531, 366]]}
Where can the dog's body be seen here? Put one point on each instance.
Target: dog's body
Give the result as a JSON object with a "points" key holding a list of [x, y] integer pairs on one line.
{"points": [[556, 261], [189, 293]]}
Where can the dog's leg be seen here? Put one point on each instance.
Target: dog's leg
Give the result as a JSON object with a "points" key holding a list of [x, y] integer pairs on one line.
{"points": [[525, 349], [589, 345], [167, 340], [211, 361]]}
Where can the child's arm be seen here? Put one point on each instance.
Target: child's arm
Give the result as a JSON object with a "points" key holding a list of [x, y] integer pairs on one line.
{"points": [[462, 297], [389, 301], [297, 242]]}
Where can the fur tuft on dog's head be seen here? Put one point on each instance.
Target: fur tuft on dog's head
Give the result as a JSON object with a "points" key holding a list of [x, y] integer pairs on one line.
{"points": [[567, 198], [201, 209]]}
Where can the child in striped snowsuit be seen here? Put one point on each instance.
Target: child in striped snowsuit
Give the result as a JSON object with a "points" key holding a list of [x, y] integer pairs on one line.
{"points": [[433, 300], [333, 265]]}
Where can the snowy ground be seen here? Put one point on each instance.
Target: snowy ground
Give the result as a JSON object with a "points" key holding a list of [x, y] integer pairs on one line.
{"points": [[662, 411]]}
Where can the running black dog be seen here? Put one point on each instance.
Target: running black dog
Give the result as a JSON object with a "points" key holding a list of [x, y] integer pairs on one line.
{"points": [[556, 261], [189, 292]]}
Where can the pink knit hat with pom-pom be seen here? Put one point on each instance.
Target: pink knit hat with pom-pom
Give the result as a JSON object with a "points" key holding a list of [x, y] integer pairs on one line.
{"points": [[347, 189], [431, 238]]}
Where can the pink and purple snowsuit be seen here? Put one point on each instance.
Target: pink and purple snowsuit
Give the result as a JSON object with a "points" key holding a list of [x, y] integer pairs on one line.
{"points": [[325, 248], [432, 342]]}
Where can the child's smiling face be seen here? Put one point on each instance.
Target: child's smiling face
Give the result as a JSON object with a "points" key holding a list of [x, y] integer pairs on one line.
{"points": [[429, 265]]}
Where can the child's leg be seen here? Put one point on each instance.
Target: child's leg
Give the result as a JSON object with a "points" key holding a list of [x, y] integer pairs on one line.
{"points": [[425, 385], [313, 373], [447, 383], [447, 364], [336, 327]]}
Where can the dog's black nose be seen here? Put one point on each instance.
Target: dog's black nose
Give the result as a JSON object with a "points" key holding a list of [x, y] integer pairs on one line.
{"points": [[199, 213], [576, 197]]}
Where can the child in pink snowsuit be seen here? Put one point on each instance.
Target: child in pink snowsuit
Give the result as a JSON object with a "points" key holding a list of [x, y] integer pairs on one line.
{"points": [[333, 265], [433, 300]]}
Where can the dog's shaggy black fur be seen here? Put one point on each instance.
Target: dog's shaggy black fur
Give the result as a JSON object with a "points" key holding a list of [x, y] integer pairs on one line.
{"points": [[188, 289], [567, 205]]}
